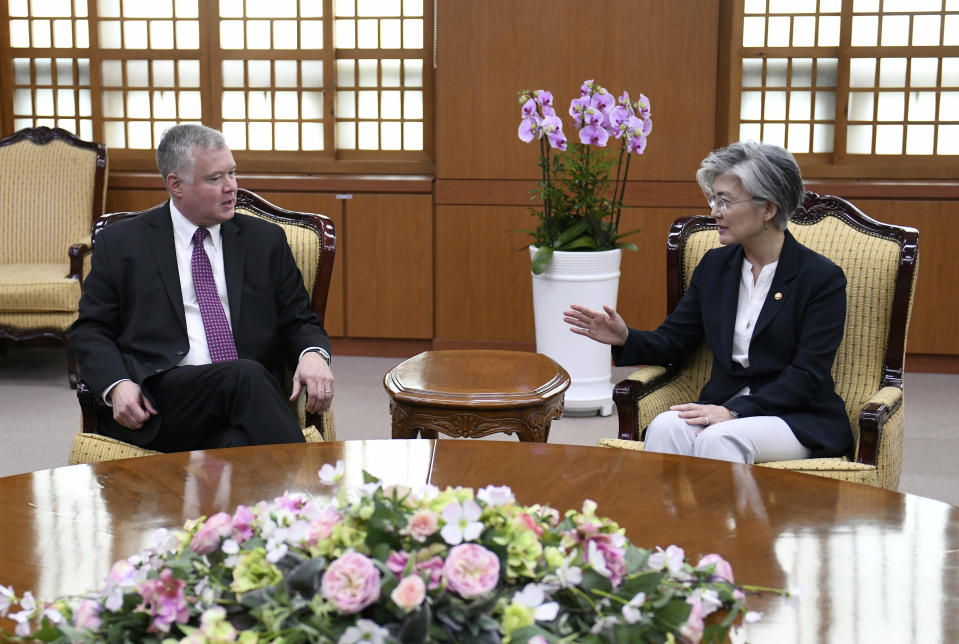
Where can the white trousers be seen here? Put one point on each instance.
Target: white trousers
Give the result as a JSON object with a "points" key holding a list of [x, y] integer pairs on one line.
{"points": [[757, 439]]}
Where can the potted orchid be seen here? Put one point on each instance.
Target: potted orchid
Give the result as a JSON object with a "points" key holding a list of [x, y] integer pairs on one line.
{"points": [[582, 197], [581, 187]]}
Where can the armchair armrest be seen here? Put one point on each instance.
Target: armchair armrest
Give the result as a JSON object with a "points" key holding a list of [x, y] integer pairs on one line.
{"points": [[639, 385], [872, 421], [88, 409], [77, 252]]}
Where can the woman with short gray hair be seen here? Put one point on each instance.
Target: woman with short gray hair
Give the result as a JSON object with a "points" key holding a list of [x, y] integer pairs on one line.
{"points": [[771, 311]]}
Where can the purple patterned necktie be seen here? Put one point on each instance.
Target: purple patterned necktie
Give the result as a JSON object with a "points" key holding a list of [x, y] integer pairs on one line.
{"points": [[219, 335]]}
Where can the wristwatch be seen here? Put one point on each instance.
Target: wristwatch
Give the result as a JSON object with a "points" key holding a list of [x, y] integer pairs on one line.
{"points": [[733, 412]]}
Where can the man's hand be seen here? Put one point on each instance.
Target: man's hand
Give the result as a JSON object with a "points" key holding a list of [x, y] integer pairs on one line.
{"points": [[316, 378], [604, 326], [130, 407]]}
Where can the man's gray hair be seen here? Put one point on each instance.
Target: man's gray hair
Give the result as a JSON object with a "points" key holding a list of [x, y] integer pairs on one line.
{"points": [[766, 171], [175, 152]]}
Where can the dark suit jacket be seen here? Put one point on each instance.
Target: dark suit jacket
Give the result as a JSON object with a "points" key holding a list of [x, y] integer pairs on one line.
{"points": [[792, 350], [132, 324]]}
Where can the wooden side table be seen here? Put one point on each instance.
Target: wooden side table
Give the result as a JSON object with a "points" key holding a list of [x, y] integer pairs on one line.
{"points": [[475, 393]]}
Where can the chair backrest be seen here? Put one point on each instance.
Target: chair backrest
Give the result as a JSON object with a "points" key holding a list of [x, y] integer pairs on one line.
{"points": [[881, 266], [52, 187]]}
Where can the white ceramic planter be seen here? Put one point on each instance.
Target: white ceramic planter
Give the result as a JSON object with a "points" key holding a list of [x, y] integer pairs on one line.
{"points": [[590, 279]]}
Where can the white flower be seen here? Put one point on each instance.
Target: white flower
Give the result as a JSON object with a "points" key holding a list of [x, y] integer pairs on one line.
{"points": [[365, 631], [462, 522], [597, 561], [532, 596], [600, 624], [708, 599], [27, 602], [496, 495], [6, 598], [53, 615], [426, 492], [23, 622], [671, 559], [276, 548], [631, 611], [752, 616], [565, 576], [792, 596], [332, 475], [230, 547]]}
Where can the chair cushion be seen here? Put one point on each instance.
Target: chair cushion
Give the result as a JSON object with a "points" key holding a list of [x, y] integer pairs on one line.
{"points": [[35, 288], [94, 448]]}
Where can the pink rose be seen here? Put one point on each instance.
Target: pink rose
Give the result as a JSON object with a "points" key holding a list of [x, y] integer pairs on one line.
{"points": [[351, 583], [409, 593], [471, 570], [87, 615], [322, 526], [422, 524], [213, 530], [722, 569]]}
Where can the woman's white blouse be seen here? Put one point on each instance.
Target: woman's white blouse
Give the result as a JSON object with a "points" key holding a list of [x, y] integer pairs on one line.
{"points": [[751, 297]]}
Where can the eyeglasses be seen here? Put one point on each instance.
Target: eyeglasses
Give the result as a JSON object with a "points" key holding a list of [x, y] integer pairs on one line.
{"points": [[723, 204]]}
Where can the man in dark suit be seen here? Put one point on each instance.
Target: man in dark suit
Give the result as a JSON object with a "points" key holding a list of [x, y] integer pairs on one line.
{"points": [[191, 311]]}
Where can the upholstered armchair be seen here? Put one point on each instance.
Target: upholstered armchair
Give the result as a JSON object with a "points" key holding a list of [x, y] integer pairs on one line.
{"points": [[312, 239], [881, 265], [52, 187]]}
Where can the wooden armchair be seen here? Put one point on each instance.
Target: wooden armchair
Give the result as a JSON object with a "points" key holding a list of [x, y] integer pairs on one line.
{"points": [[52, 187], [312, 239], [881, 265]]}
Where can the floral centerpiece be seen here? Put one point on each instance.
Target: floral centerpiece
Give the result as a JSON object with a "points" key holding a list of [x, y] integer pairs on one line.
{"points": [[389, 565], [582, 198]]}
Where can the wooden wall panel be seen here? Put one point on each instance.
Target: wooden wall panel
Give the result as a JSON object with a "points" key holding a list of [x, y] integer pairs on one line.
{"points": [[329, 205], [131, 200], [932, 329], [389, 266], [483, 286], [483, 283], [489, 50]]}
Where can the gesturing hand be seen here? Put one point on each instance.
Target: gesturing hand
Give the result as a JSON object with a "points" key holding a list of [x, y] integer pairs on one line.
{"points": [[316, 378], [604, 326], [130, 407]]}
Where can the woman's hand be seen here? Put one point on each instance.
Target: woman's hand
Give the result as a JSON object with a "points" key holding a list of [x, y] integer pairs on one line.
{"points": [[703, 415], [604, 326]]}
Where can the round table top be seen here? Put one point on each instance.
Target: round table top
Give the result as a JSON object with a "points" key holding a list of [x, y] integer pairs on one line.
{"points": [[873, 565], [476, 378]]}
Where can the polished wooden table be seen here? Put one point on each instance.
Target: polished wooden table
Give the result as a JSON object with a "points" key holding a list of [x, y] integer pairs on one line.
{"points": [[474, 393], [874, 566]]}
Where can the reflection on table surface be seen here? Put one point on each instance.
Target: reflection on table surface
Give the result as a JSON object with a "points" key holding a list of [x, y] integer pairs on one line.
{"points": [[872, 565]]}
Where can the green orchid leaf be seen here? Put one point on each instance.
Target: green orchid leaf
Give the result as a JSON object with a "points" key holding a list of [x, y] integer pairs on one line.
{"points": [[583, 241], [541, 259], [627, 246]]}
